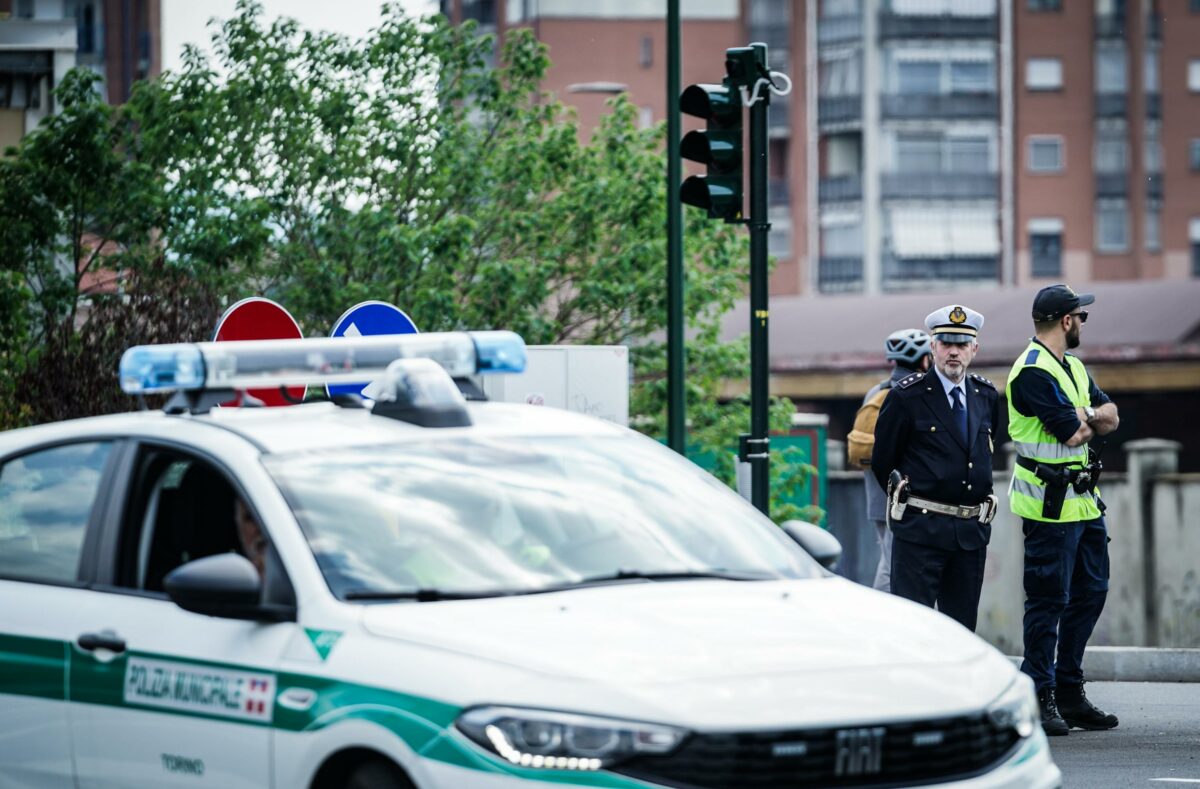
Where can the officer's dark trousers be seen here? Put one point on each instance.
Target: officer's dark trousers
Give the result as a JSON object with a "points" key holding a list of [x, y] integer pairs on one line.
{"points": [[1066, 583], [950, 578]]}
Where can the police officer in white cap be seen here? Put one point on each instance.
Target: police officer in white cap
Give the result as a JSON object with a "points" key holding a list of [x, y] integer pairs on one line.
{"points": [[933, 454]]}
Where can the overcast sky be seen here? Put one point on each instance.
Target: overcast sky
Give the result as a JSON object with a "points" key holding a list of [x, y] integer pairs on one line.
{"points": [[186, 21]]}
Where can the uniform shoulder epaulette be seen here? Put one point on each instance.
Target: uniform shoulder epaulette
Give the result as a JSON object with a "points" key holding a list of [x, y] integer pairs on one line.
{"points": [[910, 380], [980, 379]]}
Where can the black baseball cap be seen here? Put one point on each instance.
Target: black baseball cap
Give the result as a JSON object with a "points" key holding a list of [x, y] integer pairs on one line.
{"points": [[1054, 301]]}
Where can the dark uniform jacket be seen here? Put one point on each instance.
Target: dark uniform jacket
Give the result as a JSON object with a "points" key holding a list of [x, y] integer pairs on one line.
{"points": [[916, 434]]}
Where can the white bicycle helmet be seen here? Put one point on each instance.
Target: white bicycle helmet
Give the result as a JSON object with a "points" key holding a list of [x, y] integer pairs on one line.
{"points": [[907, 346]]}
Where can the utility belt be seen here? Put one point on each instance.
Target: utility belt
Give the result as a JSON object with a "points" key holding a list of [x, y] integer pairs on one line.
{"points": [[899, 499], [1057, 478]]}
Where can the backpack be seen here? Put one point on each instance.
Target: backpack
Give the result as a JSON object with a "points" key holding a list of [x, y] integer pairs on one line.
{"points": [[861, 440]]}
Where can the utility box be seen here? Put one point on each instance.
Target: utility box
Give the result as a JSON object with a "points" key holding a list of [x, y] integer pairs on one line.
{"points": [[587, 379]]}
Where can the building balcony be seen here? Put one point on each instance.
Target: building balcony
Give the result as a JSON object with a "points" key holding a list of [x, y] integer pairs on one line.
{"points": [[839, 110], [940, 186], [906, 274], [779, 192], [839, 274], [1109, 26], [1154, 186], [947, 105], [840, 189], [1154, 105], [1112, 184], [892, 25], [1111, 105], [839, 29]]}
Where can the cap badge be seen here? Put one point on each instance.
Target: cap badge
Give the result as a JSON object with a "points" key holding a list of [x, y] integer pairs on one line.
{"points": [[958, 316]]}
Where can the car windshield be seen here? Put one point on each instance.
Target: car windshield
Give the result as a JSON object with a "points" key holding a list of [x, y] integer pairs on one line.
{"points": [[481, 516]]}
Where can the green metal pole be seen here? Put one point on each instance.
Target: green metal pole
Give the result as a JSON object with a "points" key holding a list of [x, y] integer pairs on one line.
{"points": [[676, 406], [760, 228]]}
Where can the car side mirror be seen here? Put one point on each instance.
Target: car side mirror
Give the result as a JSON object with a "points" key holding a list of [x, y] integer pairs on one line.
{"points": [[817, 542], [225, 585]]}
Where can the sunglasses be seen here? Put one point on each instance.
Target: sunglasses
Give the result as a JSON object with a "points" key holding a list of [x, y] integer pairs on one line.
{"points": [[1082, 315]]}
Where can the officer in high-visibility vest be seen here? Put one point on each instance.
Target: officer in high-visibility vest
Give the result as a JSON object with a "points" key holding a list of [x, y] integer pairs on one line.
{"points": [[1054, 411]]}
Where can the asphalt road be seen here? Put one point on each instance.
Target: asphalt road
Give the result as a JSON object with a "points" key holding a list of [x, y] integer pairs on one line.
{"points": [[1157, 743]]}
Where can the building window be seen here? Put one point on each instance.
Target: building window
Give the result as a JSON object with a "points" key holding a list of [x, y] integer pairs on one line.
{"points": [[1194, 154], [1045, 155], [1194, 237], [1043, 74], [831, 8], [914, 77], [1111, 74], [1112, 150], [646, 52], [24, 9], [841, 75], [1045, 247], [1150, 70], [1112, 226], [1044, 5], [968, 76], [1194, 76], [1152, 148], [645, 117], [1153, 226]]}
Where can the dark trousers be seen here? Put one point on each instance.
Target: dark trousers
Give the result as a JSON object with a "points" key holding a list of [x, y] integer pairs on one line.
{"points": [[950, 578], [1066, 584]]}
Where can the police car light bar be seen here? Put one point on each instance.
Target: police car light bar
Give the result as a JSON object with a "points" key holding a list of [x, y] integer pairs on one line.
{"points": [[258, 364]]}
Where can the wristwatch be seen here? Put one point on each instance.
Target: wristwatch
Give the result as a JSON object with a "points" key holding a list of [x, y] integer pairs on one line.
{"points": [[1091, 413]]}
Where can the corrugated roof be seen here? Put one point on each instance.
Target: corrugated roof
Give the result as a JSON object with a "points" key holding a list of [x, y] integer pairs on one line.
{"points": [[1130, 321]]}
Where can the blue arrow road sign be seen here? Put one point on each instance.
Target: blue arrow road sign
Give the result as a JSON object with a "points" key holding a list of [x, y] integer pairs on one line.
{"points": [[368, 319]]}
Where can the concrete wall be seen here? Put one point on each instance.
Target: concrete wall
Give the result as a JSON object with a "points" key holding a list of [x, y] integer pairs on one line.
{"points": [[1154, 554]]}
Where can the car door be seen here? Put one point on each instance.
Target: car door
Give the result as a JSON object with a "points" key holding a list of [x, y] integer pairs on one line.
{"points": [[51, 498], [162, 697]]}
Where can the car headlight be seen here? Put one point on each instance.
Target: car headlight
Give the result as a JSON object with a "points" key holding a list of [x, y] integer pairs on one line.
{"points": [[563, 741], [1017, 707]]}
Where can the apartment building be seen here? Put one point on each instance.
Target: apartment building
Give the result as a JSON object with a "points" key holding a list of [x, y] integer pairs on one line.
{"points": [[932, 143], [40, 40]]}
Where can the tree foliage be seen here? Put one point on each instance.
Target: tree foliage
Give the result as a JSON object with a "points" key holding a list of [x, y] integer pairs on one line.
{"points": [[322, 171]]}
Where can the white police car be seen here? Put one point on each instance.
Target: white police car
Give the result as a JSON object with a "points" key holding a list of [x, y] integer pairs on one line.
{"points": [[445, 594]]}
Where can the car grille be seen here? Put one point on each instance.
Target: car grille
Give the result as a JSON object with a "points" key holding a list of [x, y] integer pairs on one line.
{"points": [[893, 754]]}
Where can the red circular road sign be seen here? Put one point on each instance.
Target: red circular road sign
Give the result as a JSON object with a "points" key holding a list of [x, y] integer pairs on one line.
{"points": [[257, 318]]}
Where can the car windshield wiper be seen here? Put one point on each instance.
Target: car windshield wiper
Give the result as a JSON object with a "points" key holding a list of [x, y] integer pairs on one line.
{"points": [[645, 575], [420, 595]]}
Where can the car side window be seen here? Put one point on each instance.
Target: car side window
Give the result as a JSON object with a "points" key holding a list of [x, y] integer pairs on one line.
{"points": [[183, 509], [46, 500]]}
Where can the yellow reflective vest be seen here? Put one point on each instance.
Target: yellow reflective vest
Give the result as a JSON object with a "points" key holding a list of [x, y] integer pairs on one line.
{"points": [[1032, 440]]}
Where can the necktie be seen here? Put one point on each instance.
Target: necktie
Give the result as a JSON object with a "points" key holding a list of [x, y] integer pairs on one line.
{"points": [[960, 413]]}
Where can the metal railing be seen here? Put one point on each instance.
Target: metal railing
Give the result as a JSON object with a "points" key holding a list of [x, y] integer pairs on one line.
{"points": [[1111, 105], [940, 186], [918, 273], [946, 105], [839, 29], [839, 109], [840, 189], [1112, 184], [893, 25], [839, 274]]}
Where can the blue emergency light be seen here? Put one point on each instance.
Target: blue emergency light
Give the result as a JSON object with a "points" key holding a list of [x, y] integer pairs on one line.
{"points": [[254, 364]]}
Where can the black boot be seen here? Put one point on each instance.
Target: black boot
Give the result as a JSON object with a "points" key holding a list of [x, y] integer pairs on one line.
{"points": [[1052, 722], [1078, 711]]}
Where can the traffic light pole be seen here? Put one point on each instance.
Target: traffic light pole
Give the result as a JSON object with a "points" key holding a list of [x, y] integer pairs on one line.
{"points": [[760, 227], [676, 404]]}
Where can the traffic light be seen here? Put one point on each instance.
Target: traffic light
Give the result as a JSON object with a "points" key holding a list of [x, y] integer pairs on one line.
{"points": [[719, 146]]}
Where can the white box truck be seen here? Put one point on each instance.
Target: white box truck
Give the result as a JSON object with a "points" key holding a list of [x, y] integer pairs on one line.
{"points": [[589, 379]]}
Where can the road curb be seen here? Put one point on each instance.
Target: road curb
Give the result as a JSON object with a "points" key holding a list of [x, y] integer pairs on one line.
{"points": [[1139, 664]]}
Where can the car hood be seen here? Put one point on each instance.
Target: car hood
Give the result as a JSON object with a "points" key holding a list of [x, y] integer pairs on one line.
{"points": [[722, 653]]}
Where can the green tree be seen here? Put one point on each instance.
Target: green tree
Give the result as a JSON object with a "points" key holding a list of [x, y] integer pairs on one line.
{"points": [[322, 170]]}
